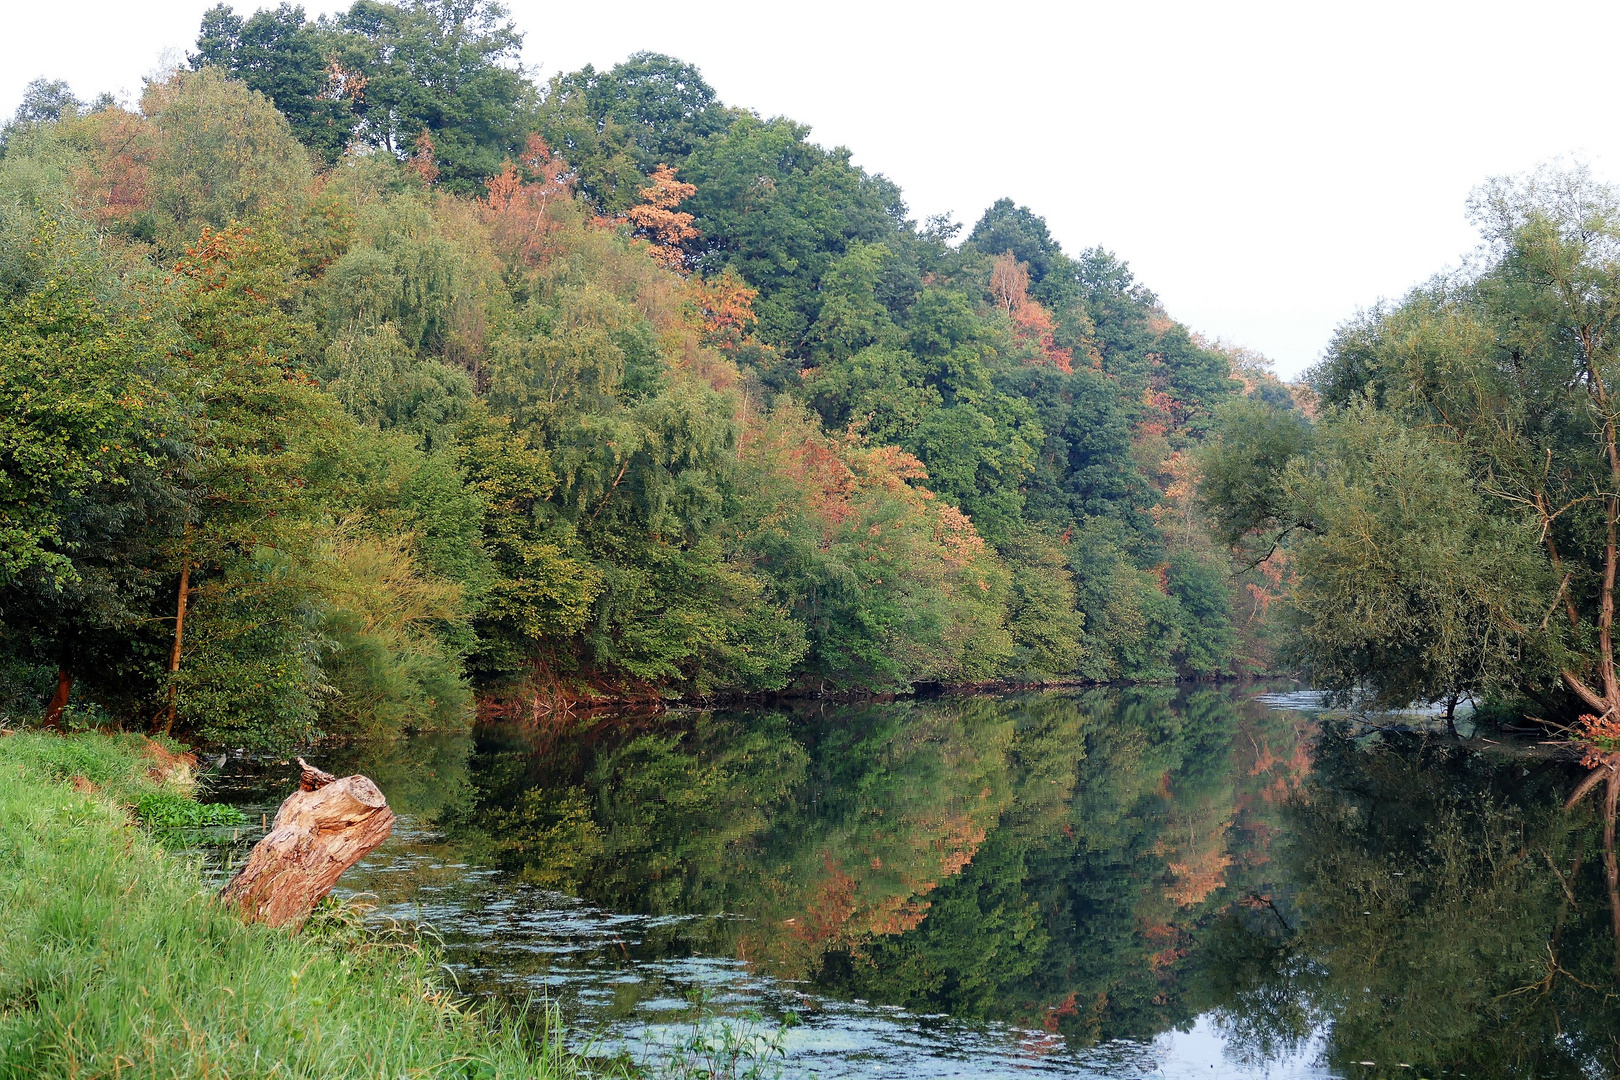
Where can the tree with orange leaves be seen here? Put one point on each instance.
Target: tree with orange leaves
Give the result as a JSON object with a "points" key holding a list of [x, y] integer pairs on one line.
{"points": [[424, 162], [726, 304], [520, 201], [1009, 284], [656, 220]]}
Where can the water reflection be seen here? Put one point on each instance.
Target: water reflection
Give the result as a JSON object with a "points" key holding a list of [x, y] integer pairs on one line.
{"points": [[1446, 913], [1095, 883]]}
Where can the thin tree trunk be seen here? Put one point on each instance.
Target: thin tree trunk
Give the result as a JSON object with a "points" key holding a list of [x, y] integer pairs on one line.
{"points": [[59, 700], [179, 638], [1611, 690], [1552, 550], [1611, 512], [1611, 865], [1611, 507]]}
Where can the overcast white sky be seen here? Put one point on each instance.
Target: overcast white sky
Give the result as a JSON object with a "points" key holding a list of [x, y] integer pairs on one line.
{"points": [[1265, 168]]}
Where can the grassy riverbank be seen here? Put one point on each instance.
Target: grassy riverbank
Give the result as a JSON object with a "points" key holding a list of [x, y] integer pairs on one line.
{"points": [[114, 963]]}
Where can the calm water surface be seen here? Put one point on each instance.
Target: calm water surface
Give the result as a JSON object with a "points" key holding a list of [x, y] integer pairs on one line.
{"points": [[1196, 883]]}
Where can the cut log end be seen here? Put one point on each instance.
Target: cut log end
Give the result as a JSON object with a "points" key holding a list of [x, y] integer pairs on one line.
{"points": [[323, 828]]}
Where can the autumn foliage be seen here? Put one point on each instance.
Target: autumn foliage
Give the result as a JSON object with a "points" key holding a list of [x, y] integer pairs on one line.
{"points": [[656, 220], [1009, 283], [726, 304], [522, 201], [623, 400], [423, 161]]}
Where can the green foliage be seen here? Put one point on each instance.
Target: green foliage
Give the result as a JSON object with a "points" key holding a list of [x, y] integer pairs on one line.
{"points": [[538, 589], [166, 810], [746, 1048], [1450, 534], [79, 371], [1395, 851], [1048, 631], [1242, 470], [278, 54], [780, 211], [222, 154], [1409, 584], [398, 427], [253, 677], [396, 637], [382, 382], [384, 74], [406, 275], [616, 127], [1006, 227]]}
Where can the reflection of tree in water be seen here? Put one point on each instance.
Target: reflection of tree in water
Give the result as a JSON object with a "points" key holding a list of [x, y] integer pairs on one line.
{"points": [[1105, 865], [1044, 858], [1449, 915], [1133, 820], [823, 833]]}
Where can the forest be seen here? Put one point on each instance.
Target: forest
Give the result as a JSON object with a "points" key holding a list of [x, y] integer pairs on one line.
{"points": [[792, 605], [352, 382]]}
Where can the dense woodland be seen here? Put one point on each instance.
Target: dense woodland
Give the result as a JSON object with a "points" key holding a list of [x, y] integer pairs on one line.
{"points": [[349, 378]]}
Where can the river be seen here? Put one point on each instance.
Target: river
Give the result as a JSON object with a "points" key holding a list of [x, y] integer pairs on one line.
{"points": [[1196, 882]]}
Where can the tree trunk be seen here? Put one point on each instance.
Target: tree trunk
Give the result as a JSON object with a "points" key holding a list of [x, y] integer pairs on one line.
{"points": [[1611, 865], [1607, 772], [179, 638], [323, 828], [59, 700]]}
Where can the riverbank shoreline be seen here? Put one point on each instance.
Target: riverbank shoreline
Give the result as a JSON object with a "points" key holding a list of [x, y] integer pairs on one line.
{"points": [[538, 702], [114, 960]]}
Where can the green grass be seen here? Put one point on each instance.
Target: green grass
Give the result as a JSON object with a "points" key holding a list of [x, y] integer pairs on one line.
{"points": [[115, 963]]}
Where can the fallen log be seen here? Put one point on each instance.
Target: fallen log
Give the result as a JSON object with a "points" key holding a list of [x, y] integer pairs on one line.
{"points": [[323, 828]]}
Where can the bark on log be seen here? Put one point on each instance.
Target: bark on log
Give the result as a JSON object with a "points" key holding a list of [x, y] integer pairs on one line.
{"points": [[323, 828]]}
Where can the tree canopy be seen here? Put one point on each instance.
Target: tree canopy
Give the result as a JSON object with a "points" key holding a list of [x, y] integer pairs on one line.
{"points": [[403, 380]]}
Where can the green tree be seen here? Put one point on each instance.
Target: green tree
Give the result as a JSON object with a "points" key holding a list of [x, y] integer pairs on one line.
{"points": [[444, 67], [1410, 584], [83, 400], [1048, 632], [1472, 415], [385, 74], [780, 210], [277, 53], [615, 127], [90, 436], [222, 154]]}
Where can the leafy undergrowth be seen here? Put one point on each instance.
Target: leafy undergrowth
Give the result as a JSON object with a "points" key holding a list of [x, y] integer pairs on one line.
{"points": [[166, 810], [114, 962]]}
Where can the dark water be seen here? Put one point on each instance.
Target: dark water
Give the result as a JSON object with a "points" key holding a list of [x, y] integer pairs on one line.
{"points": [[1194, 883]]}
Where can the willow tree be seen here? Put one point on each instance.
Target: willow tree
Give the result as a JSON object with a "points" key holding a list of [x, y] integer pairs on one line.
{"points": [[1510, 370], [1516, 362]]}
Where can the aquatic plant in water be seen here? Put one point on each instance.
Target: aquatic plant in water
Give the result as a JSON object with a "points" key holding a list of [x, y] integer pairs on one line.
{"points": [[166, 810], [744, 1048]]}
